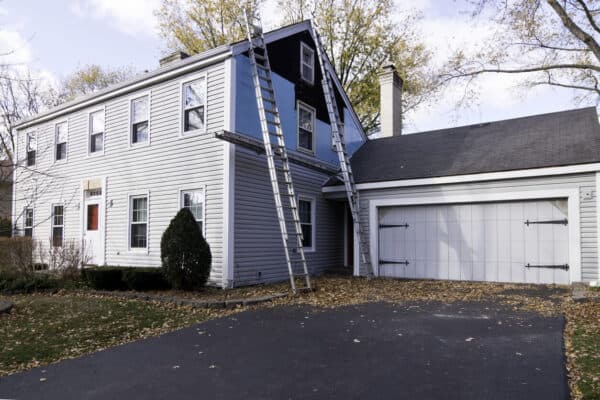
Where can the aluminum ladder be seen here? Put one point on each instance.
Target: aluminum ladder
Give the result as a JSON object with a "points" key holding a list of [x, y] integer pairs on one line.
{"points": [[279, 170], [340, 148]]}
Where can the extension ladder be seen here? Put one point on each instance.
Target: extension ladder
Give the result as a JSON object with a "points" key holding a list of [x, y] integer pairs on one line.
{"points": [[279, 170]]}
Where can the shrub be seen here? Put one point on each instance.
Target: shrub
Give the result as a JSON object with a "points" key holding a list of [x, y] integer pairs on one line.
{"points": [[16, 255], [5, 227], [104, 278], [12, 283], [144, 279], [185, 255], [64, 260]]}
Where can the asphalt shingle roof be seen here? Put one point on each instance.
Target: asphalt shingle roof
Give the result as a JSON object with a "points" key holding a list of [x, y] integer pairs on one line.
{"points": [[548, 140]]}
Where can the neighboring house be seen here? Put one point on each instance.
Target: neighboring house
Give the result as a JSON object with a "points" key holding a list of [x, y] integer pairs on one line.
{"points": [[509, 201], [112, 169]]}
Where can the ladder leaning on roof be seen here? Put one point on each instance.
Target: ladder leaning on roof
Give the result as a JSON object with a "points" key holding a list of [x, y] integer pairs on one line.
{"points": [[340, 148], [279, 170]]}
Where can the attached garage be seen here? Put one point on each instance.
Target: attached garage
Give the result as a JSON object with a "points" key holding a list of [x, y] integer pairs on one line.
{"points": [[506, 201], [514, 241]]}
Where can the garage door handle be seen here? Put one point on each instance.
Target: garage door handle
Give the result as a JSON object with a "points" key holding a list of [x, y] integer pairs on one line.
{"points": [[394, 226], [405, 262], [555, 221], [559, 266]]}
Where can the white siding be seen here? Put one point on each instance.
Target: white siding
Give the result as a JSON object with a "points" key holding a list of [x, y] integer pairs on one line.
{"points": [[170, 163], [259, 255], [584, 182]]}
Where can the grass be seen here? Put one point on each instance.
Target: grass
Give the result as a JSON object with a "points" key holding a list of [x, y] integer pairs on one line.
{"points": [[46, 328]]}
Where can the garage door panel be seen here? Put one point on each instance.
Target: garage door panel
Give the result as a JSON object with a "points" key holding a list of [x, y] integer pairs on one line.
{"points": [[488, 241]]}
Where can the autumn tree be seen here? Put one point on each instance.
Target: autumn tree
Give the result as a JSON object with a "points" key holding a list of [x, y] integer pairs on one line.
{"points": [[86, 80], [546, 42], [359, 37], [199, 25]]}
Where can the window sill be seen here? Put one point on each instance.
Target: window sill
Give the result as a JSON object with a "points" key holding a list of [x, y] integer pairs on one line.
{"points": [[138, 250], [309, 249], [139, 145], [305, 151], [95, 154], [195, 132]]}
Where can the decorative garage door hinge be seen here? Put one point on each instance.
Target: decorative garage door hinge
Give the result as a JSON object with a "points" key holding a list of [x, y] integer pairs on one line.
{"points": [[383, 262], [559, 266], [394, 226], [550, 222]]}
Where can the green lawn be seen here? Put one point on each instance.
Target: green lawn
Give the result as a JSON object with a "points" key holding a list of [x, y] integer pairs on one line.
{"points": [[46, 328]]}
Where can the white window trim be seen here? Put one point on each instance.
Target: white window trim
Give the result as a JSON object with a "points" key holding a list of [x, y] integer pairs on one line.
{"points": [[130, 100], [25, 226], [304, 46], [28, 135], [313, 222], [89, 132], [188, 79], [571, 194], [64, 160], [180, 203], [306, 107], [130, 197], [52, 225]]}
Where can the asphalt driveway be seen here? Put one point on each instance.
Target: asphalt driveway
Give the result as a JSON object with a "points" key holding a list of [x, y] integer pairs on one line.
{"points": [[371, 351]]}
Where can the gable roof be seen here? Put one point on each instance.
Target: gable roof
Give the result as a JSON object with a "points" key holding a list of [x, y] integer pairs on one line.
{"points": [[547, 140], [178, 68]]}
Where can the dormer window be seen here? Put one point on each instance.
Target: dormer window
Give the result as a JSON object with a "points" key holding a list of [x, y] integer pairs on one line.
{"points": [[307, 63]]}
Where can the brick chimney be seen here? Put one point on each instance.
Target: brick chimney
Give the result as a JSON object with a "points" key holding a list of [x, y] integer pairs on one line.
{"points": [[173, 57], [390, 101]]}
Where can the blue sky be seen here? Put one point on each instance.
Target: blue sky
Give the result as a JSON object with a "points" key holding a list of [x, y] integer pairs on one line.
{"points": [[56, 37]]}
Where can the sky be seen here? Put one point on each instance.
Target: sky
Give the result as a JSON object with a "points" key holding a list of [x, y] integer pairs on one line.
{"points": [[59, 36]]}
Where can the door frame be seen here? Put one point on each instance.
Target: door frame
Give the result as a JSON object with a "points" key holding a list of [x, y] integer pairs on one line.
{"points": [[571, 194], [101, 217]]}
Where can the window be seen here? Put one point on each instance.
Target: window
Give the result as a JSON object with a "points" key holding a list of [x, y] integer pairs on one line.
{"points": [[58, 225], [97, 131], [306, 127], [28, 223], [60, 140], [305, 209], [194, 105], [31, 148], [307, 63], [194, 201], [92, 217], [139, 120], [138, 237]]}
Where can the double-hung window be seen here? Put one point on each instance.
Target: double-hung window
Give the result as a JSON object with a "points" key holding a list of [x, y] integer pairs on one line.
{"points": [[60, 140], [307, 63], [138, 221], [306, 127], [58, 225], [194, 201], [194, 105], [97, 132], [31, 148], [28, 222], [139, 120], [306, 211]]}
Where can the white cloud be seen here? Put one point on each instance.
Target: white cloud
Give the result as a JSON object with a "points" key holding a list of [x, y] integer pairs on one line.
{"points": [[129, 16], [14, 48]]}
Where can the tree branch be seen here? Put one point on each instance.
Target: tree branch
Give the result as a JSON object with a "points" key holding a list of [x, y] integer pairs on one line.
{"points": [[589, 15]]}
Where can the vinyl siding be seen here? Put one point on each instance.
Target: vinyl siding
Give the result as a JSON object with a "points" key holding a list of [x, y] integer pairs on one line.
{"points": [[169, 164], [258, 255], [585, 183]]}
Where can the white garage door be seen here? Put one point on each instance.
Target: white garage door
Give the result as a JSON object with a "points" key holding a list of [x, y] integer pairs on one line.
{"points": [[524, 241]]}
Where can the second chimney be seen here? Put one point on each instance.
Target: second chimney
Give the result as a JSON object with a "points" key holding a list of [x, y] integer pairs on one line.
{"points": [[173, 57], [390, 101]]}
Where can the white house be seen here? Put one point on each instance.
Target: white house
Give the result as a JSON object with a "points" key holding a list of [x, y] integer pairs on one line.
{"points": [[507, 201]]}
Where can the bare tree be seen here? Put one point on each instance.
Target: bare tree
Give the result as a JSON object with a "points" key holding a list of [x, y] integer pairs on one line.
{"points": [[547, 42]]}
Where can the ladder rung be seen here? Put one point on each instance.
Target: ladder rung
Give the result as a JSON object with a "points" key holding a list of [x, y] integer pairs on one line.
{"points": [[267, 89]]}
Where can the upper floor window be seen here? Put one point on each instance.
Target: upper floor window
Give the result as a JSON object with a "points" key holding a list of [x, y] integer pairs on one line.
{"points": [[306, 127], [60, 140], [97, 131], [28, 222], [31, 148], [58, 225], [139, 119], [306, 213], [194, 201], [138, 222], [194, 105], [307, 63]]}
